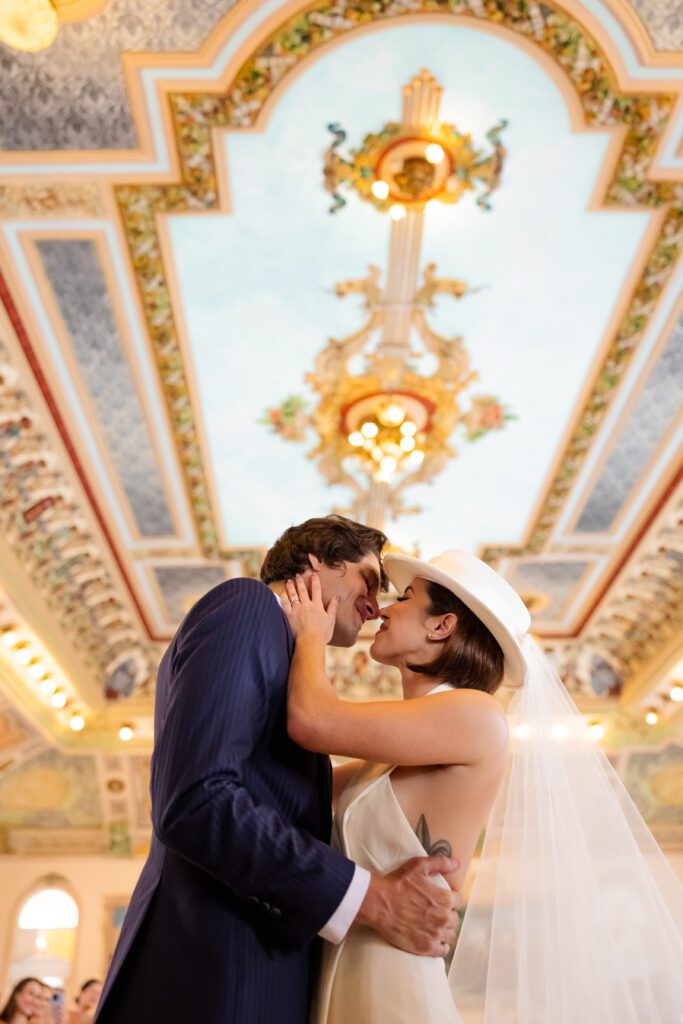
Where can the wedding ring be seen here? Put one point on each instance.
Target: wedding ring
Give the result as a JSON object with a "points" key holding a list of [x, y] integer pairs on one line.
{"points": [[295, 600]]}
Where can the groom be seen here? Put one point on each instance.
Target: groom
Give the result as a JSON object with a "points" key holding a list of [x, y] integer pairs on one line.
{"points": [[240, 878]]}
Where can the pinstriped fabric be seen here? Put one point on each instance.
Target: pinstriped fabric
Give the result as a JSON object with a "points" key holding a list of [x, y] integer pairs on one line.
{"points": [[240, 878]]}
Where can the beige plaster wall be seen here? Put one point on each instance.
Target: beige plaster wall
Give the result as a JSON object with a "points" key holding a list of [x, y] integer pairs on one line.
{"points": [[92, 880]]}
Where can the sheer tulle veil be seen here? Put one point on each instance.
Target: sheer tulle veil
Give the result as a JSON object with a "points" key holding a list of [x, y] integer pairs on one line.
{"points": [[575, 916]]}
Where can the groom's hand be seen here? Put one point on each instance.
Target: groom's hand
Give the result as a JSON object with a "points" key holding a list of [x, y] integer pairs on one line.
{"points": [[409, 910]]}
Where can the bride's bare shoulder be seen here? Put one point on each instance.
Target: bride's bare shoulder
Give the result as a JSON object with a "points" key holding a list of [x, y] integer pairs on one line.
{"points": [[478, 711]]}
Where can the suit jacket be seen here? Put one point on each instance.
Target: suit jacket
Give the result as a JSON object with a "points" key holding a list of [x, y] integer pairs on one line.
{"points": [[240, 878]]}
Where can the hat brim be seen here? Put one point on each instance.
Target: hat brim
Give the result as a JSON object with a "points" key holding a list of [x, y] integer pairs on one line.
{"points": [[402, 570]]}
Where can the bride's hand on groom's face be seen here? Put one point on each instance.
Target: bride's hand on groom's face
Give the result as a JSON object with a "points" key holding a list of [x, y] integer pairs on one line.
{"points": [[306, 612]]}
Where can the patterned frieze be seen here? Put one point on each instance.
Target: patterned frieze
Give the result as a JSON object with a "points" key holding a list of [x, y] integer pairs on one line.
{"points": [[50, 536]]}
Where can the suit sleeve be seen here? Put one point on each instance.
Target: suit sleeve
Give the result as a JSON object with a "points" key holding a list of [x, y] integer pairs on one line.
{"points": [[222, 674]]}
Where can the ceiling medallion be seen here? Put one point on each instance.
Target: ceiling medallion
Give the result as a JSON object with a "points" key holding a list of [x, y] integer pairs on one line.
{"points": [[389, 426], [415, 162]]}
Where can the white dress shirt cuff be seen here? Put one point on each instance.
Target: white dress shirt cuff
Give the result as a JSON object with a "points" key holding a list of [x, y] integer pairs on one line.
{"points": [[338, 925]]}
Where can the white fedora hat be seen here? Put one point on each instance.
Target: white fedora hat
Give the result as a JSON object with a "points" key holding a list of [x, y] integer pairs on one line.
{"points": [[482, 589]]}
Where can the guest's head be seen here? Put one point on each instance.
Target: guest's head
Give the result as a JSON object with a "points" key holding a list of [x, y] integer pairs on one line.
{"points": [[26, 999], [89, 995], [346, 557]]}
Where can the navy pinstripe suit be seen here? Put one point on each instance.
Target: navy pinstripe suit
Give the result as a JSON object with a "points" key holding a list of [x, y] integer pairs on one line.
{"points": [[240, 879]]}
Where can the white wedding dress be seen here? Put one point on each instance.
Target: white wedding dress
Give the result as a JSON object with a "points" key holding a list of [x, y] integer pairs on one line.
{"points": [[365, 980]]}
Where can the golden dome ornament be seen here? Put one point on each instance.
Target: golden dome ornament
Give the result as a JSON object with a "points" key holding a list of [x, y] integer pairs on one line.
{"points": [[28, 25]]}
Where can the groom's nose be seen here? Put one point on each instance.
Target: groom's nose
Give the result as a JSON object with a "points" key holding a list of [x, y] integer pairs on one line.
{"points": [[371, 607]]}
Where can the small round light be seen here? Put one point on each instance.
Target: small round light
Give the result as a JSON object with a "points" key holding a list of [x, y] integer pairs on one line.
{"points": [[22, 655], [397, 211], [48, 686], [36, 670], [369, 429], [596, 730], [407, 444], [676, 693], [356, 439], [29, 24], [559, 732], [126, 733], [388, 464], [434, 153], [380, 189], [377, 452], [415, 458], [393, 415], [408, 428], [433, 204], [77, 722], [522, 731], [58, 699], [652, 717], [10, 638], [382, 477]]}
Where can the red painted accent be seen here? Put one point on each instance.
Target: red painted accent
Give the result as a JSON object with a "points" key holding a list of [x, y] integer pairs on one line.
{"points": [[24, 340]]}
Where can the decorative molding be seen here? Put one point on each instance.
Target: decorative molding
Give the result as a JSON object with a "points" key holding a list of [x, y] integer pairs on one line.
{"points": [[49, 535]]}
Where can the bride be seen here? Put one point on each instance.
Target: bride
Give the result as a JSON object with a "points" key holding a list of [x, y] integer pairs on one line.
{"points": [[575, 913]]}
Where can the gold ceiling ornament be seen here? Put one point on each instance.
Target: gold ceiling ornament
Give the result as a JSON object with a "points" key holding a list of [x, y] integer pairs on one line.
{"points": [[389, 426], [32, 25], [420, 160]]}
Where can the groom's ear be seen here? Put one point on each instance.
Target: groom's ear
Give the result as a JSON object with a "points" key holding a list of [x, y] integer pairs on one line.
{"points": [[316, 564]]}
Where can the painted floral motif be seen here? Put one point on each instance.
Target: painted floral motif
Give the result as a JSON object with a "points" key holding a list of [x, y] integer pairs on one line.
{"points": [[487, 413], [290, 420]]}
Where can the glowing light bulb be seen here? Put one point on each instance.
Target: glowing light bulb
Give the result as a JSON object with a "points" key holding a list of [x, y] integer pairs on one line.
{"points": [[408, 428], [377, 453], [434, 153], [380, 189], [388, 464], [415, 458], [126, 733], [37, 670], [559, 732], [407, 444], [522, 731], [393, 415], [22, 655], [10, 638], [676, 693], [596, 730], [369, 429], [77, 722], [356, 439], [48, 686], [397, 212], [652, 717], [58, 699]]}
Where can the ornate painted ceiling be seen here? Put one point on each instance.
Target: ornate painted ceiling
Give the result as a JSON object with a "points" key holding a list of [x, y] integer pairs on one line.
{"points": [[169, 266]]}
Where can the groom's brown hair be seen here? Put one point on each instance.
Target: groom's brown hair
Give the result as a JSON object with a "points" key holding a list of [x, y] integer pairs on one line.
{"points": [[333, 539]]}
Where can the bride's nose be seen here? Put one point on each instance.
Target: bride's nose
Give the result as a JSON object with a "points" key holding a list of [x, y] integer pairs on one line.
{"points": [[384, 613]]}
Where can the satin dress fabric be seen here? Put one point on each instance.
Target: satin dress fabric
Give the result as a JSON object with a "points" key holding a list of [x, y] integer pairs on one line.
{"points": [[365, 979]]}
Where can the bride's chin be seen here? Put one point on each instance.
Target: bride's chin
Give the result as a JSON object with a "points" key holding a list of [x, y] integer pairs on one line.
{"points": [[375, 654]]}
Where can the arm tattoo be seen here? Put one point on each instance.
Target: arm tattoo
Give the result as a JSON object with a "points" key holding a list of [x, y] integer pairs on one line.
{"points": [[439, 848]]}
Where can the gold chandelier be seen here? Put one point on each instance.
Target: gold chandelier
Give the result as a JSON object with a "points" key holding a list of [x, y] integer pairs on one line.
{"points": [[384, 429]]}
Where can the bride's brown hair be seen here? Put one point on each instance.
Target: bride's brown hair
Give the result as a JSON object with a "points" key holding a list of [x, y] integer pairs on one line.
{"points": [[471, 658]]}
